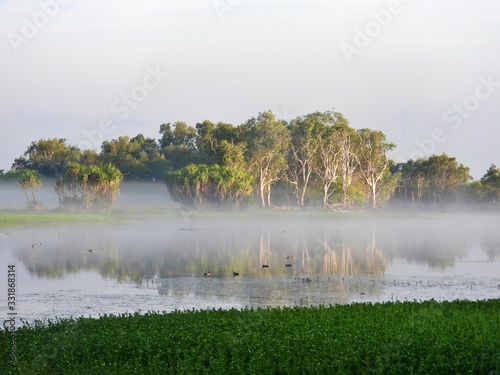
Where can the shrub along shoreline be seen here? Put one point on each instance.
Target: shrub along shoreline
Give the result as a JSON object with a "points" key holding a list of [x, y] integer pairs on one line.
{"points": [[391, 338]]}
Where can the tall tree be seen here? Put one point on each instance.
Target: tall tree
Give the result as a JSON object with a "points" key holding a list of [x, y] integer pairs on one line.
{"points": [[346, 139], [327, 164], [268, 140], [305, 138], [373, 162]]}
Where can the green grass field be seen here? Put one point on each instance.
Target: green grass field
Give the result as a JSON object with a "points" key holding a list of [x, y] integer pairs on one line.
{"points": [[395, 338]]}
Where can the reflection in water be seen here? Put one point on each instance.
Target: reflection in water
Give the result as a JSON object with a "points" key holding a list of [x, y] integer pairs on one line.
{"points": [[310, 261], [346, 248], [130, 253]]}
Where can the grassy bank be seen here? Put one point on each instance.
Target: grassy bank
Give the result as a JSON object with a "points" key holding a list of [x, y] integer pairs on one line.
{"points": [[11, 219], [24, 218], [403, 338]]}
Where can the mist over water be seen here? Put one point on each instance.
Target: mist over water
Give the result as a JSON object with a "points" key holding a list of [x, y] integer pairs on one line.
{"points": [[281, 258], [309, 259], [140, 194]]}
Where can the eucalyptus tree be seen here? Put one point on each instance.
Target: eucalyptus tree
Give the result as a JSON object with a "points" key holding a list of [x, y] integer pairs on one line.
{"points": [[347, 142], [30, 180], [327, 158], [267, 140], [373, 164], [305, 140]]}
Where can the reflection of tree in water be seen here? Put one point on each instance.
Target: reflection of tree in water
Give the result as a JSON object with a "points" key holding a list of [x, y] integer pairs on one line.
{"points": [[341, 253], [335, 247], [189, 253]]}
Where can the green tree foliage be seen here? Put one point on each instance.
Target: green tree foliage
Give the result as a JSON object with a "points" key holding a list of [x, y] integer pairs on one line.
{"points": [[444, 175], [434, 179], [412, 180], [178, 144], [178, 134], [230, 155], [316, 159], [89, 157], [220, 144], [200, 186], [30, 180], [47, 156], [138, 158], [11, 176], [268, 140], [491, 184], [91, 187]]}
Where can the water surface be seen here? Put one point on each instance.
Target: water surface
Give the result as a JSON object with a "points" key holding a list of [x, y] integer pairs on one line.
{"points": [[308, 260]]}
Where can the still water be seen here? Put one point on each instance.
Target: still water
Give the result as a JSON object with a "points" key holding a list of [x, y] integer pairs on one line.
{"points": [[295, 260]]}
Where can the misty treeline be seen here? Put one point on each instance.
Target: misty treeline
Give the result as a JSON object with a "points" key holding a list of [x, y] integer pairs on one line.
{"points": [[313, 160]]}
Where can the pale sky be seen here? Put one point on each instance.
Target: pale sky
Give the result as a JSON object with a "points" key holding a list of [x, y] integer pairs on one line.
{"points": [[425, 72]]}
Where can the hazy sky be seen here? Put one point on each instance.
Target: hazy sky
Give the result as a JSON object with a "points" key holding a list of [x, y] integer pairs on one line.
{"points": [[425, 72]]}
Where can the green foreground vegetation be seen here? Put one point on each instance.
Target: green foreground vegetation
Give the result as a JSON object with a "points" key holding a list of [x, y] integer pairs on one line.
{"points": [[459, 337]]}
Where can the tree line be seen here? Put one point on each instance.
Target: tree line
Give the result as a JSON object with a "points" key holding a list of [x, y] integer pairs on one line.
{"points": [[313, 160]]}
